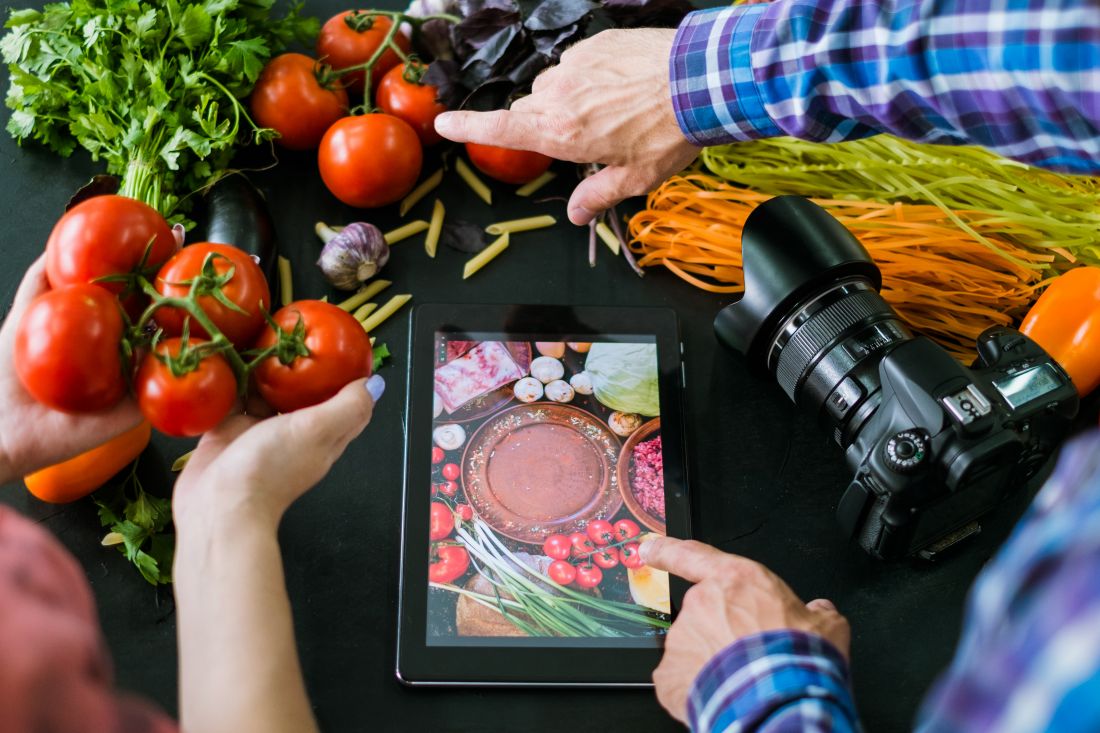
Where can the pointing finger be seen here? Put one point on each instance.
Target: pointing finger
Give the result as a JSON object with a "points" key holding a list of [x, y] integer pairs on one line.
{"points": [[503, 128]]}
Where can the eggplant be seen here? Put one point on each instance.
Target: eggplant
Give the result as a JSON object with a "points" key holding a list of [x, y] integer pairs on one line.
{"points": [[236, 214]]}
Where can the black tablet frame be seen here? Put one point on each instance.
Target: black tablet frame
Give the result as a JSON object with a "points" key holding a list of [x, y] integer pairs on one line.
{"points": [[518, 662]]}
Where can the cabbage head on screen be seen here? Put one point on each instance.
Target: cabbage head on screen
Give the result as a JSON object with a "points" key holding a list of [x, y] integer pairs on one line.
{"points": [[624, 377]]}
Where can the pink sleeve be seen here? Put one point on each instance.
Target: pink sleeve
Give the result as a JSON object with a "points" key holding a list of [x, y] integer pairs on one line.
{"points": [[55, 673]]}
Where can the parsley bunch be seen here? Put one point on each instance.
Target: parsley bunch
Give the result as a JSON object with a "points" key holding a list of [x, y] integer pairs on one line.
{"points": [[152, 88]]}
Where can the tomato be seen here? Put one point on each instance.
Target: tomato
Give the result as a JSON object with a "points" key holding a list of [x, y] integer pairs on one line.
{"points": [[451, 471], [412, 102], [1065, 321], [341, 46], [508, 166], [600, 531], [289, 98], [190, 404], [630, 555], [588, 575], [437, 455], [448, 564], [561, 572], [370, 160], [448, 488], [106, 235], [442, 521], [67, 349], [247, 289], [582, 546], [337, 351], [606, 557], [626, 529], [465, 512], [557, 546], [81, 475]]}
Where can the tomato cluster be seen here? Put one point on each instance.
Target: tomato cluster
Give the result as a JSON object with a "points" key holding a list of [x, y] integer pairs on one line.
{"points": [[449, 560], [371, 159], [195, 312], [582, 557]]}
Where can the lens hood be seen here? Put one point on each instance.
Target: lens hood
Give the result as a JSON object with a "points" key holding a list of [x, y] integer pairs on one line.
{"points": [[791, 250]]}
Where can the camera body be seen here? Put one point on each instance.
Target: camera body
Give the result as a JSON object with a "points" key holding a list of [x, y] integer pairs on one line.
{"points": [[933, 444]]}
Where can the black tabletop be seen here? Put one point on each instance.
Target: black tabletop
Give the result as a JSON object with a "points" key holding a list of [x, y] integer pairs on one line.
{"points": [[765, 483]]}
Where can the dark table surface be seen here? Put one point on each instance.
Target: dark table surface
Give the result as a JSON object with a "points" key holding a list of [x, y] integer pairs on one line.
{"points": [[765, 483]]}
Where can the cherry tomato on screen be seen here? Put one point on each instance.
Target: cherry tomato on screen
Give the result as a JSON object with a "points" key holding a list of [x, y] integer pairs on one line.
{"points": [[442, 521], [606, 557], [557, 546], [247, 290], [437, 455], [561, 572], [448, 564], [588, 575], [411, 101], [582, 546], [289, 98], [341, 45], [67, 352], [626, 529], [370, 160], [600, 532], [508, 166], [106, 235], [451, 471], [465, 512], [189, 404], [448, 488], [630, 555], [336, 351]]}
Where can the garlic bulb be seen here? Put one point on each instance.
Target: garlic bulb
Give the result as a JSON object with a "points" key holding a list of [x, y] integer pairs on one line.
{"points": [[353, 254]]}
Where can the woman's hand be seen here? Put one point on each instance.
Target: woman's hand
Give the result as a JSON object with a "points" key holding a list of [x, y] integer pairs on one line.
{"points": [[607, 101], [33, 436], [732, 598]]}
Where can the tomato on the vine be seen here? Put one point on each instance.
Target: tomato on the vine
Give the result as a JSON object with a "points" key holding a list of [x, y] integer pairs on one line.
{"points": [[67, 349], [289, 98], [508, 166], [247, 290], [448, 488], [370, 160], [588, 575], [340, 45], [451, 471], [437, 455], [442, 521], [557, 546], [600, 531], [630, 555], [606, 557], [582, 546], [448, 564], [465, 512], [413, 102], [626, 529], [106, 235], [314, 360], [188, 404], [561, 572]]}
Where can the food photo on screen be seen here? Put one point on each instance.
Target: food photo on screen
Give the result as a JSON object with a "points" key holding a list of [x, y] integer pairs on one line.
{"points": [[547, 476]]}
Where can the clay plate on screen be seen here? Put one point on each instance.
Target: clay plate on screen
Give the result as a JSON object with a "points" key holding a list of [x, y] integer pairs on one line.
{"points": [[540, 469], [489, 402]]}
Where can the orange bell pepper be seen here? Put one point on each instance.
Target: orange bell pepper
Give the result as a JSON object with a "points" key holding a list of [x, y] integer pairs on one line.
{"points": [[79, 476], [1066, 322]]}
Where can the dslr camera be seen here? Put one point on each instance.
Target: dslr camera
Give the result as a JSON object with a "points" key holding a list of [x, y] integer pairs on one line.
{"points": [[933, 444]]}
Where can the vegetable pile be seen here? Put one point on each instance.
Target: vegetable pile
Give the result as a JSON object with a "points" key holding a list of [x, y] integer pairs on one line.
{"points": [[153, 89]]}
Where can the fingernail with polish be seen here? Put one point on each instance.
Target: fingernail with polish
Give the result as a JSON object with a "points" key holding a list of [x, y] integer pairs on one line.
{"points": [[376, 386]]}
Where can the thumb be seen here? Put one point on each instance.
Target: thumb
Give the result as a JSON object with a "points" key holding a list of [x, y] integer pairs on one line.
{"points": [[821, 604], [34, 284], [337, 421], [602, 190]]}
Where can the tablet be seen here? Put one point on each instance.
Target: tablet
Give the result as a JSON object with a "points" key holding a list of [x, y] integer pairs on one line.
{"points": [[544, 444]]}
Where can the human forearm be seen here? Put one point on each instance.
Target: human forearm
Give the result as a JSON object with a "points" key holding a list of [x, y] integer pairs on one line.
{"points": [[239, 668], [928, 70]]}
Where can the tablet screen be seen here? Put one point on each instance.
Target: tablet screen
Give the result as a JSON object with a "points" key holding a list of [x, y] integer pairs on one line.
{"points": [[547, 474]]}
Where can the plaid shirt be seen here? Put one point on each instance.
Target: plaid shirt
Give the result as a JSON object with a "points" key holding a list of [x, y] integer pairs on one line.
{"points": [[1021, 77], [1028, 660]]}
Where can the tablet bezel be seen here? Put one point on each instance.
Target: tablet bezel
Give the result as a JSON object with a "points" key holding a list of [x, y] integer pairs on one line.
{"points": [[512, 663]]}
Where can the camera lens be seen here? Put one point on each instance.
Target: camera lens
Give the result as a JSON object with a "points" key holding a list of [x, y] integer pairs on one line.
{"points": [[811, 314]]}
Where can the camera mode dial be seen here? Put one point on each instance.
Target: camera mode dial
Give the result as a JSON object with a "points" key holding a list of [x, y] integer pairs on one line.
{"points": [[906, 451]]}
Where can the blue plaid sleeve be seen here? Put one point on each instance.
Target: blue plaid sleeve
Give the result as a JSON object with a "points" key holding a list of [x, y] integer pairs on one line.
{"points": [[776, 681]]}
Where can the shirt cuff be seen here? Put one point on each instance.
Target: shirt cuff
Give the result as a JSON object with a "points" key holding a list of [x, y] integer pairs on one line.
{"points": [[714, 94], [760, 675]]}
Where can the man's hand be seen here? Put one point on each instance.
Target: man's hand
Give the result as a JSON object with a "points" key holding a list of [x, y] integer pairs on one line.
{"points": [[33, 436], [607, 101], [732, 598]]}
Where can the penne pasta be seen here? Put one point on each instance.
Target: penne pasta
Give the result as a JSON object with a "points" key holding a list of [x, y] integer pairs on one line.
{"points": [[405, 231], [426, 186], [379, 316], [286, 282], [365, 310], [431, 242], [476, 184], [364, 294], [530, 187], [485, 256], [521, 225], [608, 237]]}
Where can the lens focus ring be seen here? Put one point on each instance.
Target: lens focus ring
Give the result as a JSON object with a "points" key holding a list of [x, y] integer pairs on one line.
{"points": [[821, 330]]}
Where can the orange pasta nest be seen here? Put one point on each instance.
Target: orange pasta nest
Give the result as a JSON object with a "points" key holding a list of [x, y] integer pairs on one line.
{"points": [[944, 282]]}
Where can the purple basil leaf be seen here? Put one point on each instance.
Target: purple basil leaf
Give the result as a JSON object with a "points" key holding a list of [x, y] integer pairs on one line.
{"points": [[444, 75], [462, 235], [551, 15], [495, 48], [466, 8], [434, 40], [478, 29], [522, 76], [551, 44], [493, 94], [647, 13], [100, 185]]}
